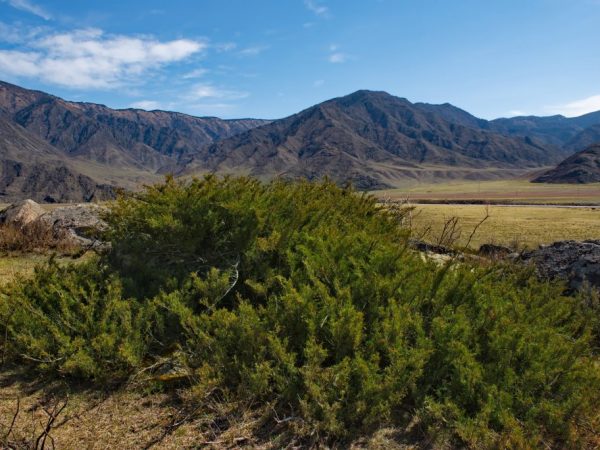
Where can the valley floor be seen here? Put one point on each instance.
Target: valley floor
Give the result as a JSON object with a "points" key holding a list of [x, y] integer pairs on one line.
{"points": [[510, 191], [515, 226], [545, 213]]}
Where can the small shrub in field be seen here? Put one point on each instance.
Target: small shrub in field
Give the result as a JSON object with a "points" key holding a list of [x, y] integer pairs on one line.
{"points": [[304, 296]]}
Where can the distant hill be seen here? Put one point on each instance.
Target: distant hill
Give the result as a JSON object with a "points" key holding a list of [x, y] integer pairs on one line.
{"points": [[584, 139], [374, 140], [582, 167], [557, 131]]}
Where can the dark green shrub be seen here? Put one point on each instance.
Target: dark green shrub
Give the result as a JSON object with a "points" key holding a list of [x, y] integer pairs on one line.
{"points": [[304, 296]]}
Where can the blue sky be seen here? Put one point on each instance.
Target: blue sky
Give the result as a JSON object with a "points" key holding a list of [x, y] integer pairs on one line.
{"points": [[272, 58]]}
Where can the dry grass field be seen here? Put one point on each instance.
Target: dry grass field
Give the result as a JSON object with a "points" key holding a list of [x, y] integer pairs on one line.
{"points": [[518, 226], [503, 191], [12, 265]]}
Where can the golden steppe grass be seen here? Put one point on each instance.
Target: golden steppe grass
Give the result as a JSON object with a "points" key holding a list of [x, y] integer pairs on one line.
{"points": [[502, 191], [516, 226]]}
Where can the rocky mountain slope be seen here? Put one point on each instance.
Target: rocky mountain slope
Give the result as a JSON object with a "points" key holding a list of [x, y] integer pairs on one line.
{"points": [[588, 137], [558, 131], [31, 168], [582, 167], [149, 141], [372, 139], [55, 150]]}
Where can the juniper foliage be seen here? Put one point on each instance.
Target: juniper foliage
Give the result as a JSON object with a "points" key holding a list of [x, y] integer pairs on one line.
{"points": [[304, 296]]}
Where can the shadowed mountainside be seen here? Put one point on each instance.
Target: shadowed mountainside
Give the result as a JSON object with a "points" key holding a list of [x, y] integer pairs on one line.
{"points": [[554, 130], [582, 167], [588, 137], [150, 141], [30, 168], [56, 150]]}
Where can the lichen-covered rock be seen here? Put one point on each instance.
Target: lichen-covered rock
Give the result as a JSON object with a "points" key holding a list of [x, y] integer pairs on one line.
{"points": [[576, 262], [83, 222], [22, 213]]}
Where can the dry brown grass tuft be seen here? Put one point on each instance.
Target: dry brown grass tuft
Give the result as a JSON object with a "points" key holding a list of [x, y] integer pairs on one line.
{"points": [[36, 237]]}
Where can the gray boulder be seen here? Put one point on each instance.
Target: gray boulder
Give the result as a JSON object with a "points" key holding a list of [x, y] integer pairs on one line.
{"points": [[576, 262], [22, 214], [82, 222]]}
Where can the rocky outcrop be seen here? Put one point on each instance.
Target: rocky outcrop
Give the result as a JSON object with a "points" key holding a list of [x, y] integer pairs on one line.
{"points": [[22, 213], [81, 224], [576, 262]]}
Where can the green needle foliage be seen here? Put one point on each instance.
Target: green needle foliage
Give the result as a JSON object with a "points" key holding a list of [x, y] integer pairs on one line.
{"points": [[304, 296]]}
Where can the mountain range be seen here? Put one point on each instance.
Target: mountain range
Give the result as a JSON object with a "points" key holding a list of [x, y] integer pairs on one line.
{"points": [[115, 147], [375, 140], [55, 150]]}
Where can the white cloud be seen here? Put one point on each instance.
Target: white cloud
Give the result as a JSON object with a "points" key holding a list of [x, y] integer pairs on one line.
{"points": [[148, 105], [225, 46], [26, 5], [253, 51], [577, 107], [204, 91], [16, 33], [196, 73], [91, 59], [315, 7], [338, 58], [516, 113]]}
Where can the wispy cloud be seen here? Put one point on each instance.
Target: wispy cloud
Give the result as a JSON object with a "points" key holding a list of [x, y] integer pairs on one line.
{"points": [[30, 7], [209, 91], [225, 46], [336, 56], [577, 107], [317, 8], [196, 73], [516, 113], [16, 33], [318, 83], [148, 105], [91, 59], [253, 51]]}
